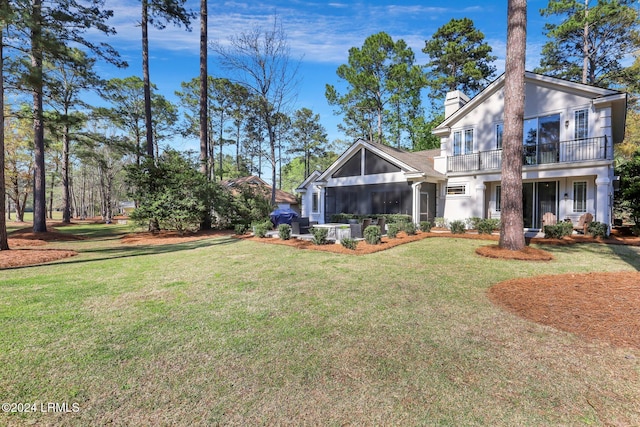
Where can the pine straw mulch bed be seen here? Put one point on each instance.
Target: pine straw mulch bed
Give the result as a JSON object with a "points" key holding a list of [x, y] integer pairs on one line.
{"points": [[604, 306], [601, 306]]}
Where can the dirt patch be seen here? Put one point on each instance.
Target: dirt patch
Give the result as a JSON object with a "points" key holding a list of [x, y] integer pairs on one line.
{"points": [[51, 235], [362, 248], [603, 306], [25, 257], [526, 254]]}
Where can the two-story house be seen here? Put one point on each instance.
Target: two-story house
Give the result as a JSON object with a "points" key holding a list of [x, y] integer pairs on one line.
{"points": [[569, 133]]}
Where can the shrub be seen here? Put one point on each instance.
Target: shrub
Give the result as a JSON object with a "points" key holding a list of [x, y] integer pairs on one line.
{"points": [[284, 231], [425, 226], [473, 222], [392, 230], [558, 231], [349, 243], [319, 235], [440, 222], [487, 225], [457, 227], [597, 229], [410, 228], [260, 228], [372, 235], [240, 229], [635, 230]]}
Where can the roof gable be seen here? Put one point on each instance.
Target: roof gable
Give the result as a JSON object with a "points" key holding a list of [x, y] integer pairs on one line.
{"points": [[553, 83]]}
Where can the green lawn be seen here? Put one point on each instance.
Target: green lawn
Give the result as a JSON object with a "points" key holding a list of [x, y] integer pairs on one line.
{"points": [[231, 332]]}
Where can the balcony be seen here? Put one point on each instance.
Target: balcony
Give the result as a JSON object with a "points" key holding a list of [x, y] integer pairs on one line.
{"points": [[580, 150]]}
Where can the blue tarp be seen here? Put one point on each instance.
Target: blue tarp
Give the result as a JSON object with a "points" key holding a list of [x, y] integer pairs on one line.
{"points": [[283, 216]]}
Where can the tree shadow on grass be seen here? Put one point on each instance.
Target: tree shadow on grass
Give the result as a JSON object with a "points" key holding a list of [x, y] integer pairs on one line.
{"points": [[130, 251], [628, 254]]}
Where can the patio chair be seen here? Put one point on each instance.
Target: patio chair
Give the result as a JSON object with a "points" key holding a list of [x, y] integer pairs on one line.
{"points": [[549, 218], [356, 231], [295, 227], [583, 223], [381, 224], [365, 223]]}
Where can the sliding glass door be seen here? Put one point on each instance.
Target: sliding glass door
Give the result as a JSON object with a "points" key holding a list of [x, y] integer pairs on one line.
{"points": [[538, 198]]}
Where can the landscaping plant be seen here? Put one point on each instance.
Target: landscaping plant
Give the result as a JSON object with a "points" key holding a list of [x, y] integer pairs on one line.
{"points": [[457, 227], [349, 243], [284, 231], [425, 226], [319, 235], [372, 235]]}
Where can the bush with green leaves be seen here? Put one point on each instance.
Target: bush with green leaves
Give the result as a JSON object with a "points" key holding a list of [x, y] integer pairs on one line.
{"points": [[240, 229], [440, 222], [472, 223], [349, 243], [558, 231], [319, 235], [597, 229], [260, 229], [171, 193], [392, 230], [410, 228], [425, 226], [457, 227], [284, 231], [372, 235], [487, 225]]}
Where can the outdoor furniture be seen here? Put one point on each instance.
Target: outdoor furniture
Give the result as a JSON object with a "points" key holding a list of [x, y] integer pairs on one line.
{"points": [[381, 224], [549, 218], [336, 231], [365, 223], [583, 223], [300, 225], [356, 231]]}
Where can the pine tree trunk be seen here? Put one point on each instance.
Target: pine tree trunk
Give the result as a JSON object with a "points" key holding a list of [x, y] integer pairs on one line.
{"points": [[39, 186], [511, 218], [146, 79], [4, 241]]}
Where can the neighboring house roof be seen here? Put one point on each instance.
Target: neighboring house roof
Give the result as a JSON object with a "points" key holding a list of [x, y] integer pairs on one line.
{"points": [[416, 163], [259, 183], [599, 95]]}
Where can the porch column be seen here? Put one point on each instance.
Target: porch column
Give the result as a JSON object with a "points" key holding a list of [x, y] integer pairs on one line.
{"points": [[478, 204], [415, 192], [603, 188]]}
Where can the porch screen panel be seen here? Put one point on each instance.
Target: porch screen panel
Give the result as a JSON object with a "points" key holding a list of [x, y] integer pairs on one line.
{"points": [[374, 164], [352, 167]]}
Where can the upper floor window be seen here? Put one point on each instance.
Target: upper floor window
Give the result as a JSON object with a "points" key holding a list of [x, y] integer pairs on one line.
{"points": [[463, 142], [581, 124], [499, 132]]}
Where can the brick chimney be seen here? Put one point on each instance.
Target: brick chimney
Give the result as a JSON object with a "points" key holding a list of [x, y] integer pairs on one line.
{"points": [[453, 102]]}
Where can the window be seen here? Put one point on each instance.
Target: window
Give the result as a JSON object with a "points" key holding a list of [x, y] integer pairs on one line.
{"points": [[456, 190], [460, 146], [374, 164], [498, 197], [468, 141], [499, 132], [457, 143], [315, 202], [352, 167], [580, 196], [581, 124]]}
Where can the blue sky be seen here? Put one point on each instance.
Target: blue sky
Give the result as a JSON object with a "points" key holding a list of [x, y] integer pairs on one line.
{"points": [[319, 35]]}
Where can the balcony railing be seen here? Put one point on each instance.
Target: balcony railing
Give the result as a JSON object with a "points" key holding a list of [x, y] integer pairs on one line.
{"points": [[579, 150]]}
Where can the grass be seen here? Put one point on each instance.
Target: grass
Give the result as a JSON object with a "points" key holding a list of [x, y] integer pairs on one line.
{"points": [[232, 332]]}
